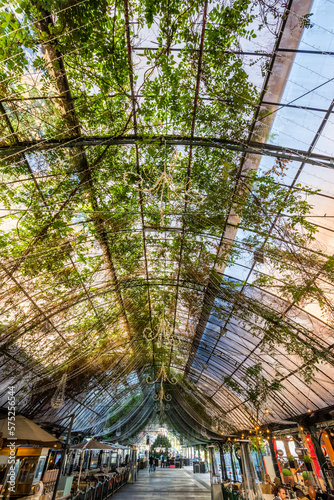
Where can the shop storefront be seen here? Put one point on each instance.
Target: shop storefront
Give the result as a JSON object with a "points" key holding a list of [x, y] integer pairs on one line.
{"points": [[29, 464], [297, 459]]}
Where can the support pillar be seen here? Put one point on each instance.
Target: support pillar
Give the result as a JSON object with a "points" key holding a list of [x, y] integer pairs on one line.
{"points": [[232, 463], [64, 455], [273, 456], [206, 461], [222, 463]]}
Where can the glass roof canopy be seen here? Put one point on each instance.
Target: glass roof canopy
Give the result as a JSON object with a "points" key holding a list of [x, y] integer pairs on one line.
{"points": [[310, 88], [159, 196]]}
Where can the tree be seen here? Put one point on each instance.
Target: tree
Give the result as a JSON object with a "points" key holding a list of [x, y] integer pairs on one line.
{"points": [[160, 442]]}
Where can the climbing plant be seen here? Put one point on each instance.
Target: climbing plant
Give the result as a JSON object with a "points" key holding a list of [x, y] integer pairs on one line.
{"points": [[112, 215]]}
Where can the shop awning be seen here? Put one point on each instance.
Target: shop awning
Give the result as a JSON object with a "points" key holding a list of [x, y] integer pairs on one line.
{"points": [[24, 431], [92, 445]]}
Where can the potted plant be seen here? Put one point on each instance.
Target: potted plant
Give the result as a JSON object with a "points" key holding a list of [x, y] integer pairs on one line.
{"points": [[291, 460], [306, 475], [308, 463], [287, 476]]}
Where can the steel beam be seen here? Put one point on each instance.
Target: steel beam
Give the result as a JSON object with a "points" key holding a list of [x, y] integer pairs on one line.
{"points": [[253, 147]]}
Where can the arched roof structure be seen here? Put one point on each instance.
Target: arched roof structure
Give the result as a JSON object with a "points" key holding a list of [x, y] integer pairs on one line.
{"points": [[166, 190]]}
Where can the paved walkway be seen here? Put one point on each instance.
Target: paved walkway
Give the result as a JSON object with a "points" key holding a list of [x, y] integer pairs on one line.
{"points": [[171, 484]]}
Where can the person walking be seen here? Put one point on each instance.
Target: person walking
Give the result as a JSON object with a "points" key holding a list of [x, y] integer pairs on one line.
{"points": [[151, 462]]}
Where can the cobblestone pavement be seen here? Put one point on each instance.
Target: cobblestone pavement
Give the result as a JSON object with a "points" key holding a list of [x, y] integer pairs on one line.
{"points": [[167, 484]]}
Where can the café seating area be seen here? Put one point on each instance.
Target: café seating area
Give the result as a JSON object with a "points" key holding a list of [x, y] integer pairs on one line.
{"points": [[99, 486]]}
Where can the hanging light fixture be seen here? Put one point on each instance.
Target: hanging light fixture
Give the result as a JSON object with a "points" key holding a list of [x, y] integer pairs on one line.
{"points": [[163, 333], [165, 184], [162, 378], [58, 398]]}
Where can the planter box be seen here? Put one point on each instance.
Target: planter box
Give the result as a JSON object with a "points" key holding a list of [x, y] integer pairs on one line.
{"points": [[292, 464], [308, 467]]}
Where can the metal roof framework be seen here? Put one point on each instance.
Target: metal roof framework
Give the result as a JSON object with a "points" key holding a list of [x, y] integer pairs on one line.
{"points": [[91, 325]]}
